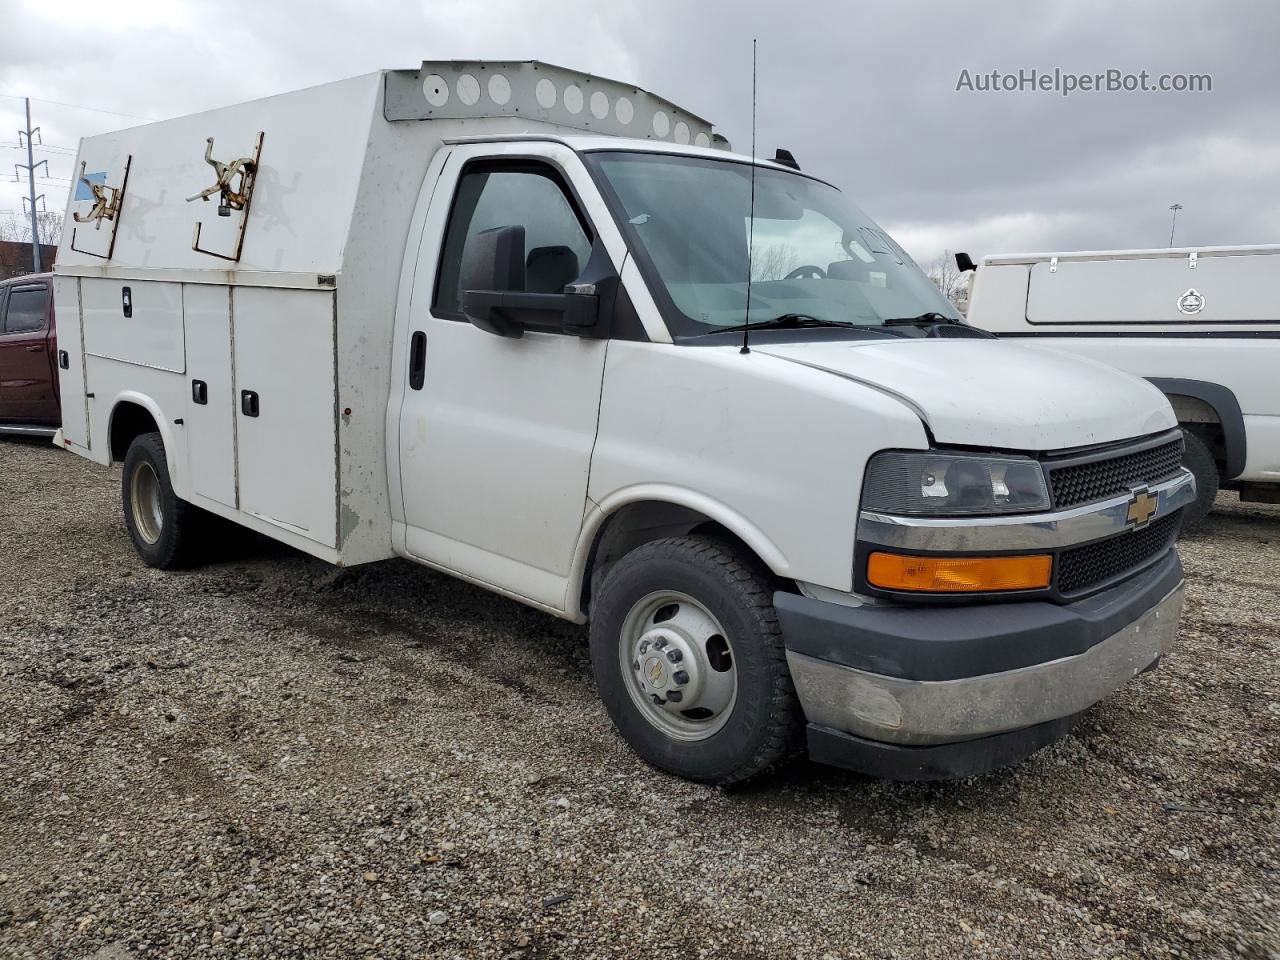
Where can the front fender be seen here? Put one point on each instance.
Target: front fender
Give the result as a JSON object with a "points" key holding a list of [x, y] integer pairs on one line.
{"points": [[713, 509], [1230, 416]]}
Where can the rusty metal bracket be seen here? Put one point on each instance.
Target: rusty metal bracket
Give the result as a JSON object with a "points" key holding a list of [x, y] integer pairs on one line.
{"points": [[229, 198], [107, 202]]}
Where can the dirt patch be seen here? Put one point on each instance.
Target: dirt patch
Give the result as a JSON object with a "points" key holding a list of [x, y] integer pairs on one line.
{"points": [[267, 757]]}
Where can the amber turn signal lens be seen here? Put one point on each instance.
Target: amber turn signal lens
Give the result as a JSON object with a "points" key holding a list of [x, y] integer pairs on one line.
{"points": [[891, 571]]}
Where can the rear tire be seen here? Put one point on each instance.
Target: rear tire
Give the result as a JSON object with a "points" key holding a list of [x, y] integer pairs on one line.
{"points": [[693, 606], [1199, 460], [162, 526]]}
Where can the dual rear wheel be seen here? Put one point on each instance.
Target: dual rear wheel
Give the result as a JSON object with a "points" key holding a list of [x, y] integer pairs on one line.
{"points": [[163, 527]]}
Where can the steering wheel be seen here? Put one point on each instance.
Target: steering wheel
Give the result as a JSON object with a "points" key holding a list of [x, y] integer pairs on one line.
{"points": [[808, 272]]}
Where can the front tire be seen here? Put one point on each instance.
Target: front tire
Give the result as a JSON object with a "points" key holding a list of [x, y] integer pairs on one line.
{"points": [[1199, 460], [161, 525], [689, 661]]}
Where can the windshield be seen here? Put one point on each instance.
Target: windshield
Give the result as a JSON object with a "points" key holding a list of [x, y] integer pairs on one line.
{"points": [[813, 252]]}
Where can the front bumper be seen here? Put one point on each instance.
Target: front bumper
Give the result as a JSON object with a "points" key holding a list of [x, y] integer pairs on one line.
{"points": [[929, 692]]}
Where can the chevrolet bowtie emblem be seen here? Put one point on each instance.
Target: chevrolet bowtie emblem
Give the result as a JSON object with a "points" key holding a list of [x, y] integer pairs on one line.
{"points": [[1142, 508]]}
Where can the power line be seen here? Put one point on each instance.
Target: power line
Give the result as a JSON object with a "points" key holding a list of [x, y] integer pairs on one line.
{"points": [[80, 106], [49, 148]]}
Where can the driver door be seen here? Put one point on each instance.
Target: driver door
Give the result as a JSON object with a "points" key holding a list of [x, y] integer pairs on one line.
{"points": [[496, 433]]}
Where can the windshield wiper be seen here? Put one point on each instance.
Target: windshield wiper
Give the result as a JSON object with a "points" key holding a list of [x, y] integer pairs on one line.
{"points": [[791, 321], [934, 324], [932, 317]]}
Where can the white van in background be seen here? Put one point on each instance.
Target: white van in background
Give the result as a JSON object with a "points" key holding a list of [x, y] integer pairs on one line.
{"points": [[1201, 324], [489, 317]]}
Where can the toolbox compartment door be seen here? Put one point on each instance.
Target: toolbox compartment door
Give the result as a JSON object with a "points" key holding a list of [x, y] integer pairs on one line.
{"points": [[285, 396], [1156, 290], [70, 362], [210, 416]]}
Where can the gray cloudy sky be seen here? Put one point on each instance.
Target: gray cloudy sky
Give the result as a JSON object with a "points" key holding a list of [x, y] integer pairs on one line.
{"points": [[864, 94]]}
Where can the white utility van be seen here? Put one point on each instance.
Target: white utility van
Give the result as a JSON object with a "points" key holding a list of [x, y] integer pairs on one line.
{"points": [[488, 316], [1201, 324]]}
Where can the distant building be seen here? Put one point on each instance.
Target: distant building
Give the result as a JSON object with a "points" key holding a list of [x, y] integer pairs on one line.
{"points": [[15, 258]]}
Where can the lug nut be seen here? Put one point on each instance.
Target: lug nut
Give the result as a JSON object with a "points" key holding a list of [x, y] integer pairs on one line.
{"points": [[660, 643], [680, 677], [644, 645], [635, 664], [675, 656], [657, 699], [675, 696]]}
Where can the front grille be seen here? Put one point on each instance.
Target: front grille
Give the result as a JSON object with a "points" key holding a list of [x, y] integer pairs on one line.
{"points": [[1094, 480], [1094, 564]]}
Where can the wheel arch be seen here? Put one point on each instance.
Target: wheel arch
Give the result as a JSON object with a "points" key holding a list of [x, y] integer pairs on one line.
{"points": [[133, 414], [639, 515], [1222, 401]]}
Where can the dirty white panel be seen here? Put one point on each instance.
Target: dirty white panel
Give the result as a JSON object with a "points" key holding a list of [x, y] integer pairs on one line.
{"points": [[312, 149], [210, 417], [287, 456], [136, 321]]}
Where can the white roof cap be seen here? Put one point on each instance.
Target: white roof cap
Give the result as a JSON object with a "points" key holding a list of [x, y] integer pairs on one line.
{"points": [[470, 89]]}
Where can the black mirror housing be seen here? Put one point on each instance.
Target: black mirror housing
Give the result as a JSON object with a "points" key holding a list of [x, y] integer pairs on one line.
{"points": [[492, 266], [494, 260], [503, 308], [964, 263]]}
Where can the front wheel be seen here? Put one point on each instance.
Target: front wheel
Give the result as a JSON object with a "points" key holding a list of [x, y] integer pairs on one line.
{"points": [[1199, 460], [689, 661], [161, 525]]}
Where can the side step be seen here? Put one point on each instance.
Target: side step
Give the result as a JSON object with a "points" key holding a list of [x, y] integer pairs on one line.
{"points": [[21, 430]]}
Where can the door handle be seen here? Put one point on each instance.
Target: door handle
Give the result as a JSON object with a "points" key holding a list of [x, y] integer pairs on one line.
{"points": [[249, 403], [35, 348], [417, 360], [64, 360], [199, 392]]}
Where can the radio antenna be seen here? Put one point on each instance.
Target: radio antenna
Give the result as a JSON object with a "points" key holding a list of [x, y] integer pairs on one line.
{"points": [[751, 222]]}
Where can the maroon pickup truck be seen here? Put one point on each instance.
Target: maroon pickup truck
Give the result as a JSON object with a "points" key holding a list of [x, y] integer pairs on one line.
{"points": [[29, 401]]}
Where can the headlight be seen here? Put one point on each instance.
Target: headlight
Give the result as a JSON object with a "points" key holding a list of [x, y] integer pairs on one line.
{"points": [[924, 483]]}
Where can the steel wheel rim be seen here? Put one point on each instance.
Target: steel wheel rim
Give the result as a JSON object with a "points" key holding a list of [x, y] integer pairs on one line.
{"points": [[671, 643], [144, 494]]}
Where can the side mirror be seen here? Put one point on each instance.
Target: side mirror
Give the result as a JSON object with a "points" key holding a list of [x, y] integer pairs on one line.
{"points": [[964, 263], [492, 265], [493, 280]]}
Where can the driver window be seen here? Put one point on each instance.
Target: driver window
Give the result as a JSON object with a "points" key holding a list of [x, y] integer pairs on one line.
{"points": [[530, 195]]}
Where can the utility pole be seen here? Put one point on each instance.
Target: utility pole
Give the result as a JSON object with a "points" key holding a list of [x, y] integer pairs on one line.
{"points": [[1172, 227], [31, 197]]}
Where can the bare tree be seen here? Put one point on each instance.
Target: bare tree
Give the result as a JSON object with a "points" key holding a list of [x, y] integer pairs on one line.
{"points": [[50, 227], [772, 262], [947, 277], [18, 229]]}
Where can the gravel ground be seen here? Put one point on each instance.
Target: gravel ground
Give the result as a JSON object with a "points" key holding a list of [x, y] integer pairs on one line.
{"points": [[267, 757]]}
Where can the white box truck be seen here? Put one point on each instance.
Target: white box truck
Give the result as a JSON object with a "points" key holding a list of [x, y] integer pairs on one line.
{"points": [[1202, 325], [489, 317]]}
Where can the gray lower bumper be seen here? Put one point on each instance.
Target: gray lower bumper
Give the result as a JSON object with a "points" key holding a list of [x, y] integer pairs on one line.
{"points": [[921, 712]]}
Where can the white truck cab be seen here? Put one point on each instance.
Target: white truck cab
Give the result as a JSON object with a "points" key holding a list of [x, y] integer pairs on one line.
{"points": [[1201, 324], [489, 317]]}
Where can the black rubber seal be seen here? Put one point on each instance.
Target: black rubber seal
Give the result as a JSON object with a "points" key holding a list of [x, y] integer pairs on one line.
{"points": [[950, 643]]}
